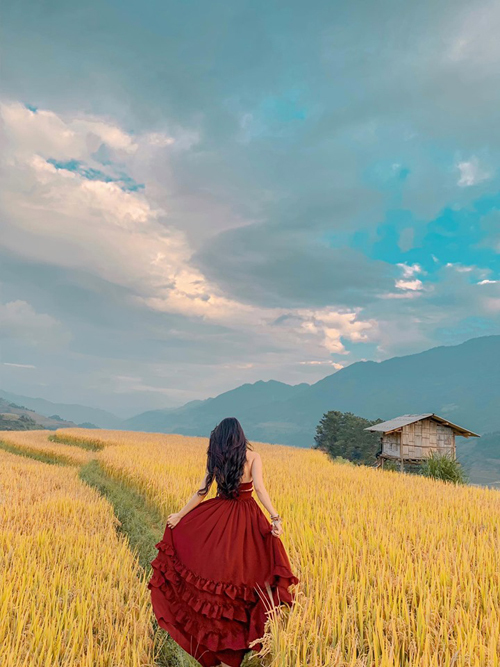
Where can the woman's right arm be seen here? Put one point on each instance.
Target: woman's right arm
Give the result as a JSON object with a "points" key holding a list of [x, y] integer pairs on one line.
{"points": [[261, 491]]}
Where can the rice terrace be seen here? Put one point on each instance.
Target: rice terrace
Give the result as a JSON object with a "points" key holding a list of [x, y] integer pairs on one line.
{"points": [[394, 569]]}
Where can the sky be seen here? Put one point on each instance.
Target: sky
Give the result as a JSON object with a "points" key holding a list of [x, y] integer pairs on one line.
{"points": [[195, 195]]}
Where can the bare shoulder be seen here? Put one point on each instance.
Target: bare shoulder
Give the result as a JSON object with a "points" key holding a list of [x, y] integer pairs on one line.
{"points": [[252, 456]]}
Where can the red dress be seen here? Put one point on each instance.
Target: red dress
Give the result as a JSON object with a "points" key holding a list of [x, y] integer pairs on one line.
{"points": [[213, 577]]}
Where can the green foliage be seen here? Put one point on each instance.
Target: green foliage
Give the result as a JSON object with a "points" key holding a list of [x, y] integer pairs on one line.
{"points": [[139, 521], [88, 425], [342, 461], [342, 434], [443, 466], [13, 422], [392, 465], [84, 443]]}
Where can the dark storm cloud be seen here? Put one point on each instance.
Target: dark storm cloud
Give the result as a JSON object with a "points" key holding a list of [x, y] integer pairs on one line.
{"points": [[278, 268]]}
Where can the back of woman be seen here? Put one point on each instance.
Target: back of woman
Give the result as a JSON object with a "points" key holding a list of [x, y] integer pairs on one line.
{"points": [[221, 565]]}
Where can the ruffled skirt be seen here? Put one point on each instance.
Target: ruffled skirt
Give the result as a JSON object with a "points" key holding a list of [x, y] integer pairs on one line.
{"points": [[216, 576]]}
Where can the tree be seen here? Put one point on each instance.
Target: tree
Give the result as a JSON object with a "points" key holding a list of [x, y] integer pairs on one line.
{"points": [[343, 434]]}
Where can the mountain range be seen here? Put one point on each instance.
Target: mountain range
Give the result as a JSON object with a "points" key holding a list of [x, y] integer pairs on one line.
{"points": [[19, 418], [459, 382], [69, 411]]}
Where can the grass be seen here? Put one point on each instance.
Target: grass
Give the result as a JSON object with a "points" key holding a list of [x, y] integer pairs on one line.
{"points": [[143, 525], [141, 522], [84, 443]]}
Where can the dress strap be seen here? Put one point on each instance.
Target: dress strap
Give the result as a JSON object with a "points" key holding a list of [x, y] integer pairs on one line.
{"points": [[242, 486]]}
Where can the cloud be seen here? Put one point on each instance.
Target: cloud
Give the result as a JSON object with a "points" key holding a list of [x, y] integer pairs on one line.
{"points": [[126, 384], [7, 363], [471, 173], [456, 308], [20, 321], [410, 270], [476, 40], [45, 132], [490, 223], [56, 214], [273, 266], [413, 285], [199, 230]]}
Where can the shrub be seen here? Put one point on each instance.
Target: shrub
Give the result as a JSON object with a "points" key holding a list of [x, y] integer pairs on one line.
{"points": [[343, 461], [391, 465], [443, 466]]}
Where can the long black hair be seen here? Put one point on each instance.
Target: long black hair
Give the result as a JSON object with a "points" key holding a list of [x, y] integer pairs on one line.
{"points": [[226, 456]]}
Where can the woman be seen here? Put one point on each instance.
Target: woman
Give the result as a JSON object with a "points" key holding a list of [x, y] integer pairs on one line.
{"points": [[221, 565]]}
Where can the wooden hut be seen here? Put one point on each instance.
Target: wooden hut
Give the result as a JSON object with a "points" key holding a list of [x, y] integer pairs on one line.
{"points": [[412, 438]]}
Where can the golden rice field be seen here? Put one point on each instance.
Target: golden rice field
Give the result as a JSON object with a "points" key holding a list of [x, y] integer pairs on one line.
{"points": [[69, 588], [37, 442], [395, 570]]}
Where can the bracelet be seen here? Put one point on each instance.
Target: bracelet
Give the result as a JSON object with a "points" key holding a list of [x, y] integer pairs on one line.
{"points": [[276, 518]]}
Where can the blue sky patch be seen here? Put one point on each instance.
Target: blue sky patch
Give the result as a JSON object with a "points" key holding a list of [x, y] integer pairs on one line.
{"points": [[125, 182]]}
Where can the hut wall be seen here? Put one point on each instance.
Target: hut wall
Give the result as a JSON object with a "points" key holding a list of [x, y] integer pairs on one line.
{"points": [[391, 443], [445, 439], [423, 437]]}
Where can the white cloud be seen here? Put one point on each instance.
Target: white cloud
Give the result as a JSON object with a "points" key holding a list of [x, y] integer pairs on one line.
{"points": [[46, 133], [476, 38], [55, 214], [410, 270], [8, 363], [461, 268], [20, 321], [159, 139], [413, 285], [409, 285], [471, 173], [409, 294], [326, 362]]}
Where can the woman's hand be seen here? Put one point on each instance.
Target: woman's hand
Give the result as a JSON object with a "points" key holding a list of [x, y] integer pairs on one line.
{"points": [[173, 519], [277, 529]]}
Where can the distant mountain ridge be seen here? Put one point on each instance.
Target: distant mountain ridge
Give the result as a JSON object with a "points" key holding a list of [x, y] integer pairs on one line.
{"points": [[247, 396], [459, 382], [17, 417], [69, 411], [481, 458]]}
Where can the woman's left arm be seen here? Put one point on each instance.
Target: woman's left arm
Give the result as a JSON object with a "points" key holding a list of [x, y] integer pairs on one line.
{"points": [[194, 501]]}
